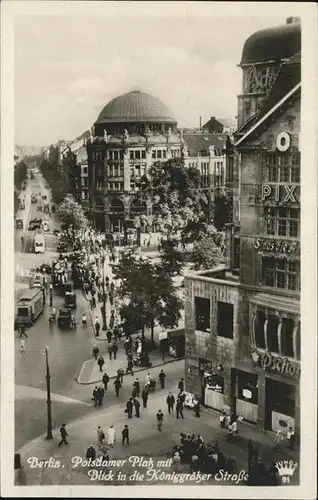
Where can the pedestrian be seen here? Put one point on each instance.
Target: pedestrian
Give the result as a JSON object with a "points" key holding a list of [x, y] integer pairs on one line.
{"points": [[291, 438], [162, 377], [111, 436], [181, 385], [64, 434], [115, 349], [109, 335], [120, 374], [222, 419], [100, 435], [196, 408], [125, 435], [277, 440], [127, 345], [51, 299], [137, 387], [129, 407], [159, 420], [100, 363], [144, 397], [22, 345], [95, 396], [117, 385], [90, 452], [84, 320], [95, 351], [54, 313], [130, 365], [179, 408], [137, 407], [110, 351], [22, 331], [100, 395], [97, 326], [105, 380], [170, 402]]}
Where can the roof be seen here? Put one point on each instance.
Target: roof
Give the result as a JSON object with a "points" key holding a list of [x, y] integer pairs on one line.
{"points": [[201, 142], [227, 122], [289, 75], [135, 107], [272, 44], [286, 83]]}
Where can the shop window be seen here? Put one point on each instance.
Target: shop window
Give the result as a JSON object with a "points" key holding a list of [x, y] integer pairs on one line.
{"points": [[225, 320], [259, 329], [287, 338], [202, 314], [272, 333], [280, 397], [247, 387], [215, 383]]}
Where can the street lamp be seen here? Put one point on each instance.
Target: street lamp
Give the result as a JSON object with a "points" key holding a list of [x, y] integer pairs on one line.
{"points": [[49, 402], [104, 327]]}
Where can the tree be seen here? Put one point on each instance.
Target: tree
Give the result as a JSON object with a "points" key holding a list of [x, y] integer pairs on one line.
{"points": [[72, 213], [172, 260], [20, 175], [148, 294], [206, 254], [223, 209], [175, 194], [56, 176]]}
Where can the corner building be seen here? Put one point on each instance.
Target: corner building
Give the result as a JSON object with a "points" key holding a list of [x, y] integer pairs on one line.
{"points": [[132, 132], [242, 320]]}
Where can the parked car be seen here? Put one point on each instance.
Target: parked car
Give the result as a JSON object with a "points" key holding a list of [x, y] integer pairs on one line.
{"points": [[64, 318], [19, 223], [33, 226]]}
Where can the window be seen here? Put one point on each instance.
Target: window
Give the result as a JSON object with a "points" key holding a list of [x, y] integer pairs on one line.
{"points": [[259, 329], [131, 155], [153, 154], [287, 338], [159, 154], [295, 174], [202, 314], [121, 170], [282, 221], [164, 154], [143, 154], [284, 174], [272, 174], [225, 320], [137, 155], [272, 333], [121, 155], [280, 273], [298, 341], [85, 170], [115, 155]]}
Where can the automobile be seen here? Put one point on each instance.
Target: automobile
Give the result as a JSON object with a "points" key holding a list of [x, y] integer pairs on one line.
{"points": [[36, 221], [45, 226], [44, 268], [62, 247], [33, 198], [64, 318], [57, 233], [19, 223], [33, 226], [70, 300]]}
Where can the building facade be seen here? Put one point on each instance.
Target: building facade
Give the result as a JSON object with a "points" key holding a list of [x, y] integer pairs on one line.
{"points": [[132, 132], [242, 321]]}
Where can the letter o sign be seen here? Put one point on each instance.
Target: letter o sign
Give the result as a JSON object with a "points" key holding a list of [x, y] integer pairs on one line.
{"points": [[283, 141]]}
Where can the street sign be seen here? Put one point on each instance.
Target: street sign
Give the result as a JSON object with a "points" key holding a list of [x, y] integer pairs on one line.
{"points": [[163, 335]]}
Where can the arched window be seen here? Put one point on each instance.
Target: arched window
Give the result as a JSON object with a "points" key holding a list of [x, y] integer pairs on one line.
{"points": [[287, 338], [272, 333], [259, 329]]}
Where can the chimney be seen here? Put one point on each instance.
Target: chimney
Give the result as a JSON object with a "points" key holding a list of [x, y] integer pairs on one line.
{"points": [[293, 20], [200, 121]]}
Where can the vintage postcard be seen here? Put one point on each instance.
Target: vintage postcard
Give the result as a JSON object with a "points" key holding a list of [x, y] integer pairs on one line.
{"points": [[158, 249]]}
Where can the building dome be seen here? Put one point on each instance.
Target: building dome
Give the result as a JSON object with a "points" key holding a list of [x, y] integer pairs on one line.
{"points": [[135, 107], [272, 44]]}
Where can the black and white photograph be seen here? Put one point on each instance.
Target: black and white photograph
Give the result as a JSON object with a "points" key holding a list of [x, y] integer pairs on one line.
{"points": [[157, 272]]}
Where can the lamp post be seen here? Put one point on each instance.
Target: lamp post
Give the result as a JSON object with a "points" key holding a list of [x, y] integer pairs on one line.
{"points": [[49, 402], [104, 327]]}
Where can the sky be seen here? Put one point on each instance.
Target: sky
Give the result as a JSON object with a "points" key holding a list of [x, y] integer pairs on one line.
{"points": [[67, 67]]}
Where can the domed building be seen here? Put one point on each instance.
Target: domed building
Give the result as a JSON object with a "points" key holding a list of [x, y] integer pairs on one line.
{"points": [[131, 132], [247, 315]]}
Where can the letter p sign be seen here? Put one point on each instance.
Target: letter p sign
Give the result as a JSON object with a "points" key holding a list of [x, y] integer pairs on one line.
{"points": [[266, 191]]}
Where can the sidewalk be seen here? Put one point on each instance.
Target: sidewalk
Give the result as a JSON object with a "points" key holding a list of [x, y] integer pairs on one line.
{"points": [[143, 442]]}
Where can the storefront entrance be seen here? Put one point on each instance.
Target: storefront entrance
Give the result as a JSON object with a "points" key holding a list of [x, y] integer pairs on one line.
{"points": [[246, 394], [279, 405]]}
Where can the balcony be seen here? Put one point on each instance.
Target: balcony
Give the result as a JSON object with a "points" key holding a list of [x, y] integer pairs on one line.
{"points": [[220, 273]]}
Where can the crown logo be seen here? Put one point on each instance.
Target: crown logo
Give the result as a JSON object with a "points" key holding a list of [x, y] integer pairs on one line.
{"points": [[286, 467]]}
